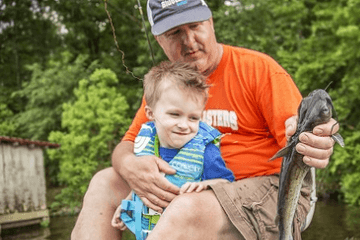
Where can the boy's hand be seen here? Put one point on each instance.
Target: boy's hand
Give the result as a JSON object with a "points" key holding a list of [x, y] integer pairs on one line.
{"points": [[317, 146], [116, 222], [193, 187]]}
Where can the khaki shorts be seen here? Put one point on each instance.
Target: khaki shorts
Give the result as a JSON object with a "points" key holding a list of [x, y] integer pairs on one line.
{"points": [[251, 205]]}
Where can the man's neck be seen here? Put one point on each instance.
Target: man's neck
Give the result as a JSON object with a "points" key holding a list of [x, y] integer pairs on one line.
{"points": [[218, 55]]}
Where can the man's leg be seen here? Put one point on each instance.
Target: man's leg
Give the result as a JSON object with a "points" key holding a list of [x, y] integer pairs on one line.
{"points": [[103, 196], [195, 216]]}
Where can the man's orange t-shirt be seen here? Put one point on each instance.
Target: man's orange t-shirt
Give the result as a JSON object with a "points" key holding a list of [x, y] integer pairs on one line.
{"points": [[250, 98]]}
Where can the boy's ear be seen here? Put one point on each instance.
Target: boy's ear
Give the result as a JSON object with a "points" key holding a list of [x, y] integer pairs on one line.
{"points": [[149, 113]]}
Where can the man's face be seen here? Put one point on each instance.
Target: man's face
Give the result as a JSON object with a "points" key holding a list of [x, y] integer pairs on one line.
{"points": [[194, 43]]}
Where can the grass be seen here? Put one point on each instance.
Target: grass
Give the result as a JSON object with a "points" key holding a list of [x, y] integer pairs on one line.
{"points": [[127, 235]]}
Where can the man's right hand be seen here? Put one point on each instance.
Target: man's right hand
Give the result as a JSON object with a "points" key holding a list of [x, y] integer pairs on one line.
{"points": [[144, 176]]}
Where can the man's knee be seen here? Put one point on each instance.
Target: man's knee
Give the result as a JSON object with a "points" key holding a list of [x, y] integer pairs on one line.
{"points": [[104, 194], [102, 178], [107, 183], [194, 206]]}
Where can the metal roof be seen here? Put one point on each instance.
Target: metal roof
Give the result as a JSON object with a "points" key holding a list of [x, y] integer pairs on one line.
{"points": [[28, 142]]}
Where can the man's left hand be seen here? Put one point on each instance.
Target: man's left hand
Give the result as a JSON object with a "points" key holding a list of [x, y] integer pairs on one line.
{"points": [[317, 146]]}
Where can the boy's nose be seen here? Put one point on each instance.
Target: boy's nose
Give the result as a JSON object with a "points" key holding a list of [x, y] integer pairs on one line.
{"points": [[183, 124]]}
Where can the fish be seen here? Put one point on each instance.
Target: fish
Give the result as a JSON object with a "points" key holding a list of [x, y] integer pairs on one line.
{"points": [[315, 109]]}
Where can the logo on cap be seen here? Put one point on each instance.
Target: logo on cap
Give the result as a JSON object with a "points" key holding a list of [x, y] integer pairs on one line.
{"points": [[168, 3]]}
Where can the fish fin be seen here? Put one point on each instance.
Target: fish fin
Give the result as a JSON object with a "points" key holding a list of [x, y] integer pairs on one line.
{"points": [[338, 138], [308, 178], [281, 153]]}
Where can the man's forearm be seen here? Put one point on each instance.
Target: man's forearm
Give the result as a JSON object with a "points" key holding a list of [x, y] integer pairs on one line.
{"points": [[123, 150]]}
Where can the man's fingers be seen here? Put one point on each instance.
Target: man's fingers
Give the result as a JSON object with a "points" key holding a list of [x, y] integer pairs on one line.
{"points": [[154, 206], [312, 152], [164, 193], [165, 167], [327, 129], [317, 163], [312, 140], [169, 190], [290, 126], [158, 194]]}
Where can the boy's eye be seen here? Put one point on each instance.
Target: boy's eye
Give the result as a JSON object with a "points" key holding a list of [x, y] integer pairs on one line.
{"points": [[194, 118], [174, 114]]}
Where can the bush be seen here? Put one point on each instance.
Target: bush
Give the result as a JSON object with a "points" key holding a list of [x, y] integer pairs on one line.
{"points": [[93, 126]]}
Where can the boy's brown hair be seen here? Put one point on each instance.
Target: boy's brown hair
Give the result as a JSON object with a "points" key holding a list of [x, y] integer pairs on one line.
{"points": [[182, 73]]}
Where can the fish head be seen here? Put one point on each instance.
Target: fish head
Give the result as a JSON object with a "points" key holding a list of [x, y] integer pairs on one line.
{"points": [[314, 109]]}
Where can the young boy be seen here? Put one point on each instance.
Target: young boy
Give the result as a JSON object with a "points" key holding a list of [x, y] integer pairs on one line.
{"points": [[176, 94]]}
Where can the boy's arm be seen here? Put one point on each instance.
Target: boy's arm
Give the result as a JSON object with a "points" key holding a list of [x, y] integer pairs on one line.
{"points": [[214, 165]]}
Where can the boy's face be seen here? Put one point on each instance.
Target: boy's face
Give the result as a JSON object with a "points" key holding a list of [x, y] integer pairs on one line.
{"points": [[176, 114]]}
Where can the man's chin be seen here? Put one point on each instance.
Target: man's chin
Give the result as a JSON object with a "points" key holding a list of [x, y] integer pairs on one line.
{"points": [[198, 65]]}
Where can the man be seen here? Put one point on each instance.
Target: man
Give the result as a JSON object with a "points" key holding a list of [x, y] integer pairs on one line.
{"points": [[251, 98]]}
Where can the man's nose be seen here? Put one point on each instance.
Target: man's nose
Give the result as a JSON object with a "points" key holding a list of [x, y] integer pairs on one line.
{"points": [[188, 38]]}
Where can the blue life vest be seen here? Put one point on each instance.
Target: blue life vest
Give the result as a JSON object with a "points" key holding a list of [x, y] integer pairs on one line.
{"points": [[189, 166]]}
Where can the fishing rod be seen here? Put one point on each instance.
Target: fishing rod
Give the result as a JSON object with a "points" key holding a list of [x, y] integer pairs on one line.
{"points": [[146, 33]]}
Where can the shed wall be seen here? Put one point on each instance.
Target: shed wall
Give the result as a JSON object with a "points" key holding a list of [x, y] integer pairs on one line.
{"points": [[22, 179]]}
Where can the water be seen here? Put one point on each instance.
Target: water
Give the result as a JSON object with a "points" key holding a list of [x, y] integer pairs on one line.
{"points": [[334, 221], [331, 221], [59, 229]]}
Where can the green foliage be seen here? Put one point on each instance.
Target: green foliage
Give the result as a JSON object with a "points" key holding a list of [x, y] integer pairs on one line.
{"points": [[26, 37], [45, 223], [93, 125], [7, 128], [262, 25], [48, 89]]}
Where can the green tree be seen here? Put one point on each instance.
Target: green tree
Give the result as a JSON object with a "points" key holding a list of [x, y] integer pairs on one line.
{"points": [[93, 125], [329, 54], [7, 128], [47, 90], [266, 26], [26, 37]]}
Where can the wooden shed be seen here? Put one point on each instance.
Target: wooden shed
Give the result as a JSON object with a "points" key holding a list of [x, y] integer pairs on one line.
{"points": [[22, 182]]}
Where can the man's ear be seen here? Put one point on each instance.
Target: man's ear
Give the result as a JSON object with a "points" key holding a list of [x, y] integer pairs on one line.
{"points": [[149, 113]]}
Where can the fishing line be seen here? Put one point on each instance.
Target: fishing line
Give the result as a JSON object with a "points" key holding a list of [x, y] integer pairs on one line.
{"points": [[146, 33], [117, 44], [335, 116], [328, 85]]}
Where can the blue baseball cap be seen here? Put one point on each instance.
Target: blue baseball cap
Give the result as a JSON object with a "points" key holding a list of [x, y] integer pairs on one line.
{"points": [[164, 15]]}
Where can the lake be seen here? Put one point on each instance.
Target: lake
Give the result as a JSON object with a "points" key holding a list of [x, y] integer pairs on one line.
{"points": [[331, 221]]}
